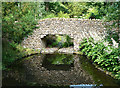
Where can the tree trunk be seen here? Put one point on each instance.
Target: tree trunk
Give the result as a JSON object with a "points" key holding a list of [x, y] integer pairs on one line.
{"points": [[46, 6]]}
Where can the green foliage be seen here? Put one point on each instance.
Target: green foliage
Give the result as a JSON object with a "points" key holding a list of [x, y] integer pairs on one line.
{"points": [[92, 13], [9, 53], [18, 20], [59, 41], [56, 7], [62, 15], [112, 11], [112, 15], [106, 57], [50, 15], [76, 9], [60, 59]]}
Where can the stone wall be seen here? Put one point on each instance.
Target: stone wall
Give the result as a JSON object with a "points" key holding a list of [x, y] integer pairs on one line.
{"points": [[75, 28]]}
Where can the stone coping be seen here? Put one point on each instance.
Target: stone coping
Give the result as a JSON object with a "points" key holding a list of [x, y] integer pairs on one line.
{"points": [[68, 50], [70, 19]]}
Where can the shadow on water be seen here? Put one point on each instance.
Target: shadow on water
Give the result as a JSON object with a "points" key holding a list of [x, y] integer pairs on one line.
{"points": [[55, 71]]}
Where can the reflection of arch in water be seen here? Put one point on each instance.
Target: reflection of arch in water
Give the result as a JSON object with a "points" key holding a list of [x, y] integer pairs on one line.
{"points": [[58, 62], [42, 75]]}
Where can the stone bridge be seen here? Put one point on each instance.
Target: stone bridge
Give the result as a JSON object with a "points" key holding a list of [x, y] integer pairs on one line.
{"points": [[74, 27]]}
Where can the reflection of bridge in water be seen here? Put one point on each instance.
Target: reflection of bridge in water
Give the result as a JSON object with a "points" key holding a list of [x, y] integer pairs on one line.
{"points": [[34, 70], [31, 70]]}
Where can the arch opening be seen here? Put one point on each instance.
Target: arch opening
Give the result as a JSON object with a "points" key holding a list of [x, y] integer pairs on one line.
{"points": [[57, 41]]}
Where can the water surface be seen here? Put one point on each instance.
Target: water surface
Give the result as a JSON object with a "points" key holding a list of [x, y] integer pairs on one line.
{"points": [[55, 70]]}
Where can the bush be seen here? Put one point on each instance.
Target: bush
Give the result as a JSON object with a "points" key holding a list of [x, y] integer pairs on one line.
{"points": [[50, 15], [18, 20], [106, 57], [63, 15]]}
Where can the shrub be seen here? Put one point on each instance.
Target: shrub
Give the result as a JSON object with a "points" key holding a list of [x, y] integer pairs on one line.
{"points": [[63, 15], [106, 57]]}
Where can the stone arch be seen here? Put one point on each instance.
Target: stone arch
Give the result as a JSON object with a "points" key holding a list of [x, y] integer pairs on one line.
{"points": [[75, 28]]}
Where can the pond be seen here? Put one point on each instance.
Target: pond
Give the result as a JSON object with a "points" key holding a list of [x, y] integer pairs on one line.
{"points": [[53, 70]]}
